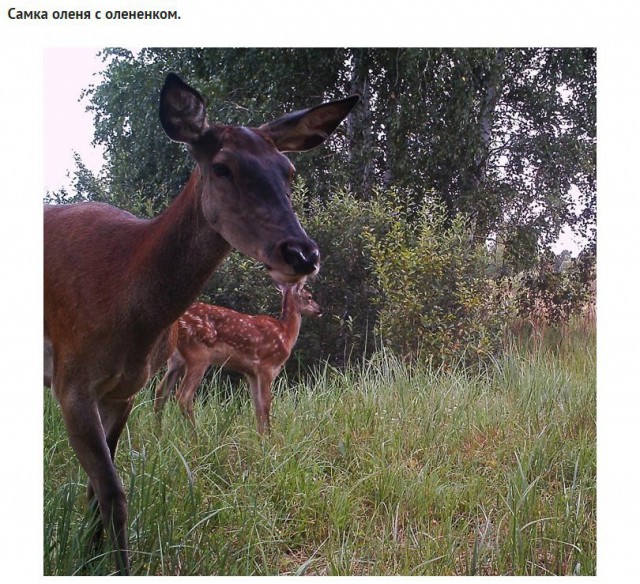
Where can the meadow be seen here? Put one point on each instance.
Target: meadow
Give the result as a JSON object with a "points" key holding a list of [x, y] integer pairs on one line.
{"points": [[384, 468]]}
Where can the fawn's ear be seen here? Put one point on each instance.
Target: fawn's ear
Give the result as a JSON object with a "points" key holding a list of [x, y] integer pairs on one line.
{"points": [[295, 287]]}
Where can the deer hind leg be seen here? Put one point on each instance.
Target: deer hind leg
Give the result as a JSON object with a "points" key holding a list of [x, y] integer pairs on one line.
{"points": [[95, 446], [175, 369], [260, 385], [186, 392]]}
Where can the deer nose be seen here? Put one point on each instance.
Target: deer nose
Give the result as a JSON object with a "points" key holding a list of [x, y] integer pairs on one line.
{"points": [[302, 257]]}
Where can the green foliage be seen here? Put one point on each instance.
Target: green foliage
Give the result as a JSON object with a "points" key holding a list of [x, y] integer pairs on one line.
{"points": [[499, 135], [554, 292], [436, 299], [241, 86], [344, 286]]}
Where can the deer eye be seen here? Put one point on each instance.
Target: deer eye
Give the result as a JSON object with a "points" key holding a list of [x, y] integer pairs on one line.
{"points": [[221, 170]]}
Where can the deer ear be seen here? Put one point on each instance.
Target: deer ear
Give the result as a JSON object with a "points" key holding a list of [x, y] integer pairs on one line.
{"points": [[182, 110], [306, 129]]}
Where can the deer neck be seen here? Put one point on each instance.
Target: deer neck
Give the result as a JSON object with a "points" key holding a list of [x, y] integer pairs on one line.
{"points": [[290, 319], [179, 252]]}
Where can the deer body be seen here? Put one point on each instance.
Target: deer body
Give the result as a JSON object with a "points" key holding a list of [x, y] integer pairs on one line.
{"points": [[127, 343], [256, 346], [114, 284]]}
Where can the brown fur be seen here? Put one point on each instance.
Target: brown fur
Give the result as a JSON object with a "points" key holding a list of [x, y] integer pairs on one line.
{"points": [[114, 284], [256, 346]]}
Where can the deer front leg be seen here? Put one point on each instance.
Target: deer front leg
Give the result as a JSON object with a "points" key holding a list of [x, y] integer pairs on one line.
{"points": [[260, 385], [95, 446], [175, 368], [113, 416]]}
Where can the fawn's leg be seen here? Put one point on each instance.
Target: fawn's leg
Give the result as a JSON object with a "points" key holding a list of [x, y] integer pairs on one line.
{"points": [[260, 385], [186, 392], [175, 368]]}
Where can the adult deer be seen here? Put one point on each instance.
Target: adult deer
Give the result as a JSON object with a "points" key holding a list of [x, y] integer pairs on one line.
{"points": [[256, 346], [114, 284]]}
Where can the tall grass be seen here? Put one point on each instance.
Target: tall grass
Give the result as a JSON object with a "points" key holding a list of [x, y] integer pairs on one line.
{"points": [[384, 469]]}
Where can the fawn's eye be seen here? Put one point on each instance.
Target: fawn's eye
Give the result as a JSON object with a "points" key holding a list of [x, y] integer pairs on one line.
{"points": [[220, 169]]}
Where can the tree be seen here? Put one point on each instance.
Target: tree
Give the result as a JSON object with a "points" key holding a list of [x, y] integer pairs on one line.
{"points": [[243, 86], [504, 136], [499, 135]]}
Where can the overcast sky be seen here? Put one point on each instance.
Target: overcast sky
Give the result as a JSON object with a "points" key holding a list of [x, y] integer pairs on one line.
{"points": [[67, 126]]}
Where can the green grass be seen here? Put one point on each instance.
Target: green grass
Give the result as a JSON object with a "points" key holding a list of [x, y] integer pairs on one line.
{"points": [[382, 470]]}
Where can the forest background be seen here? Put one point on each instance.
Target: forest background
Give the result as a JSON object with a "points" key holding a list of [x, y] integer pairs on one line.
{"points": [[435, 205]]}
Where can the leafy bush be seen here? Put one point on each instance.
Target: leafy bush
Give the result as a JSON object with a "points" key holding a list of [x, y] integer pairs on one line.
{"points": [[553, 293], [345, 286], [403, 273], [435, 297]]}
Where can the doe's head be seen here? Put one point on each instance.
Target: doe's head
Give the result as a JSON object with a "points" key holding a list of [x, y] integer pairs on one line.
{"points": [[246, 179]]}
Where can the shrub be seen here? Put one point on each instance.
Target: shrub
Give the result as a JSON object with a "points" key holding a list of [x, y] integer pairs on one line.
{"points": [[436, 300], [553, 293], [345, 286]]}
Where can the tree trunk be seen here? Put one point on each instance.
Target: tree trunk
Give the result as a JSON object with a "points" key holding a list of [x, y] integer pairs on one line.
{"points": [[359, 127], [473, 184]]}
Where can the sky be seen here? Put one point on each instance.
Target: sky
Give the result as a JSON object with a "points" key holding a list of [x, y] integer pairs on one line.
{"points": [[68, 127]]}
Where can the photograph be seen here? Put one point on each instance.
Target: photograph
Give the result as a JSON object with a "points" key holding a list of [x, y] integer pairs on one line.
{"points": [[347, 320]]}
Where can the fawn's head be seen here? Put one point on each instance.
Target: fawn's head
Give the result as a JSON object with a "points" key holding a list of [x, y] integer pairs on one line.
{"points": [[302, 298]]}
